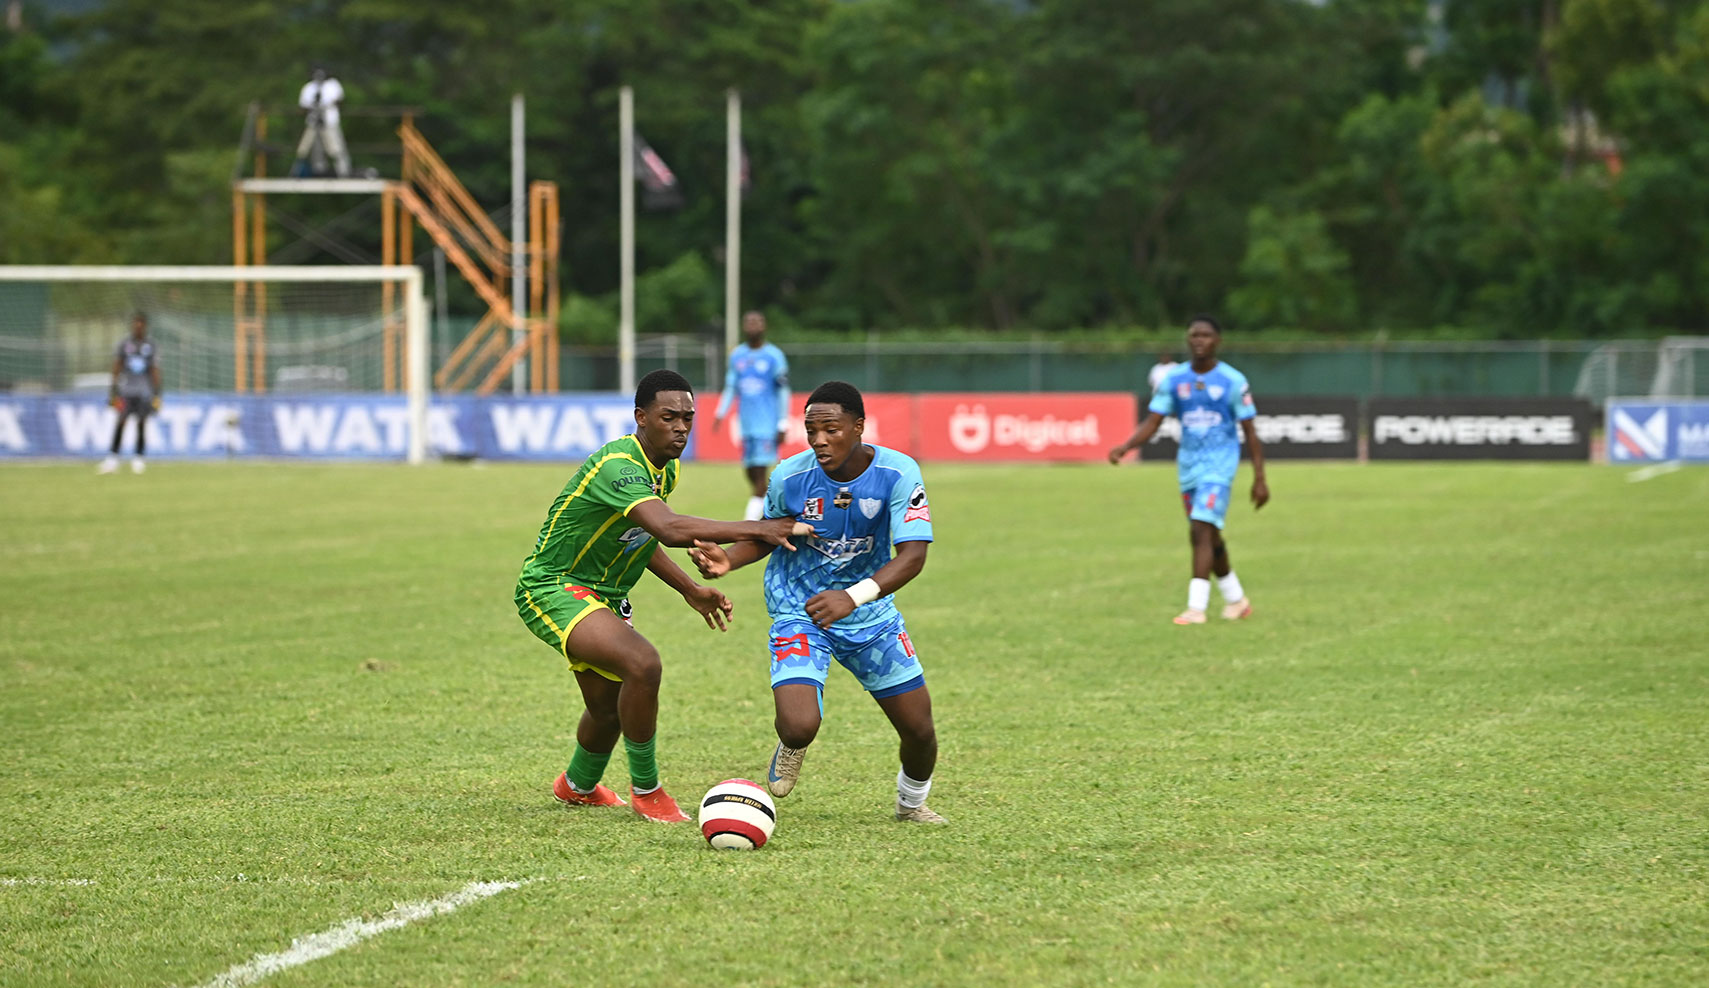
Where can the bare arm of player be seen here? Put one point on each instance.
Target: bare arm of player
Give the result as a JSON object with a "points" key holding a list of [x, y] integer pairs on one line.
{"points": [[713, 560], [682, 531], [827, 607], [1145, 431], [712, 605], [1260, 489]]}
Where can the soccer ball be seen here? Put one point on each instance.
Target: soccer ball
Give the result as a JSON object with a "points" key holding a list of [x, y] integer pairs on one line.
{"points": [[737, 815]]}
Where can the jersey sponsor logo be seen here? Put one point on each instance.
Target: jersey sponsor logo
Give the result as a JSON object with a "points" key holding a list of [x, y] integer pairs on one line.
{"points": [[1198, 385], [1201, 418], [813, 509], [907, 643], [869, 506], [843, 499], [1246, 394], [1183, 390], [634, 539], [919, 509], [626, 611], [786, 646], [843, 550]]}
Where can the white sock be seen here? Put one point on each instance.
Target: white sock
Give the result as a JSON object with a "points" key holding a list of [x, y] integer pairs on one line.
{"points": [[1232, 591], [756, 509], [1198, 594], [910, 792]]}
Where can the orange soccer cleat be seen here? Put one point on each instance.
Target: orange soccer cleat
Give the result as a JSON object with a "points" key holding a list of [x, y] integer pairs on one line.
{"points": [[657, 806], [601, 795], [1190, 616], [1241, 608]]}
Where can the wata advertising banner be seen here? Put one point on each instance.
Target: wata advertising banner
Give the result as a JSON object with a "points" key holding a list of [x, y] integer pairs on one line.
{"points": [[1480, 428], [1645, 431], [889, 422], [349, 427], [1008, 426], [1289, 428]]}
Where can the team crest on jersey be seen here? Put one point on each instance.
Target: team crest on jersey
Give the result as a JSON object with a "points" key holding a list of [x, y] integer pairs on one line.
{"points": [[1216, 391], [919, 509], [843, 499], [869, 506], [813, 509]]}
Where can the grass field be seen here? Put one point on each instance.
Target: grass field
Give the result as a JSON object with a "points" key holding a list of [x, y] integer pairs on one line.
{"points": [[1463, 741]]}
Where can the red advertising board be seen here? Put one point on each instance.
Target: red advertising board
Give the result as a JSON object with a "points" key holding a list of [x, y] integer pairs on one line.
{"points": [[1009, 426], [888, 423]]}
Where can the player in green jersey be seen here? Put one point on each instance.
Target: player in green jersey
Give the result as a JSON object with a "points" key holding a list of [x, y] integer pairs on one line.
{"points": [[573, 593]]}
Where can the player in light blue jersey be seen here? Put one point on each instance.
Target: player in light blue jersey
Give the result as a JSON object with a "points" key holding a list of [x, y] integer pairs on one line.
{"points": [[757, 379], [1209, 397], [831, 599]]}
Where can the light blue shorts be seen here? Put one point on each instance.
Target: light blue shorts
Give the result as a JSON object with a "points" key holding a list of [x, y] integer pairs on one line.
{"points": [[1207, 502], [881, 658], [759, 452]]}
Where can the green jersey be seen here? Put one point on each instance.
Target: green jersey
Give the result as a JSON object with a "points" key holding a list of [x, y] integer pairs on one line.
{"points": [[587, 539]]}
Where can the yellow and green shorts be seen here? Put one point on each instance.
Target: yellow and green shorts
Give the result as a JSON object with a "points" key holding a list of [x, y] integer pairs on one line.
{"points": [[553, 611]]}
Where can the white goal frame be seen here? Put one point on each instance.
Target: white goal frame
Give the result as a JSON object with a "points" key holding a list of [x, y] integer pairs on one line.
{"points": [[407, 276]]}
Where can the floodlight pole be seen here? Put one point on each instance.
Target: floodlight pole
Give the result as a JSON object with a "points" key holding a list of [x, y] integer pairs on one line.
{"points": [[518, 242], [732, 219], [626, 207]]}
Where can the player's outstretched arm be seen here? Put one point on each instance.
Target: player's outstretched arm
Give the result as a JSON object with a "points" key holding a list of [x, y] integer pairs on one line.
{"points": [[713, 560], [1144, 432], [713, 606], [1260, 488], [827, 607], [682, 531]]}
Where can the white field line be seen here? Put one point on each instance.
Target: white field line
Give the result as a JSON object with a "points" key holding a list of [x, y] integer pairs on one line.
{"points": [[1642, 474], [351, 932], [47, 881]]}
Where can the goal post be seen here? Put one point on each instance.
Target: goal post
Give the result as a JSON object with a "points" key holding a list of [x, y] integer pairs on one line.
{"points": [[224, 330]]}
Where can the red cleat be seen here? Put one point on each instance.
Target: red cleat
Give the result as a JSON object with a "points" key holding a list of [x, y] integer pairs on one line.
{"points": [[601, 795], [657, 806]]}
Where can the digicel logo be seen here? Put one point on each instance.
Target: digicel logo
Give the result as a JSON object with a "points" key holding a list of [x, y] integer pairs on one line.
{"points": [[972, 429]]}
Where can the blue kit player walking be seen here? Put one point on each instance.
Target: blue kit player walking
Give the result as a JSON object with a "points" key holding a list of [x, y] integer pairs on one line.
{"points": [[1209, 397], [757, 379], [831, 599]]}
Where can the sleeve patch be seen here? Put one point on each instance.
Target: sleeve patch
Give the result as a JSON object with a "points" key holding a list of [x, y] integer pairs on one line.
{"points": [[919, 509]]}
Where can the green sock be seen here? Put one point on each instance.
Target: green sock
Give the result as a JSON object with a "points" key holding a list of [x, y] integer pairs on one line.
{"points": [[586, 767], [643, 769]]}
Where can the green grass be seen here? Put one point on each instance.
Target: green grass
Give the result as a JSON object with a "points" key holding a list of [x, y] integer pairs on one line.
{"points": [[1462, 741]]}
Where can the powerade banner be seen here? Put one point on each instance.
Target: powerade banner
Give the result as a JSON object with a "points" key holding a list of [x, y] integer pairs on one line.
{"points": [[1289, 428], [1641, 431], [1479, 428], [347, 427]]}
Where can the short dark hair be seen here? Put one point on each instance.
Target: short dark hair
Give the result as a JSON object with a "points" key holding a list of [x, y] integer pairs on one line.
{"points": [[839, 393], [656, 381], [1207, 320]]}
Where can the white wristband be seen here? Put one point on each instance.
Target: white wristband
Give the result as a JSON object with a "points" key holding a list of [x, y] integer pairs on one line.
{"points": [[864, 592]]}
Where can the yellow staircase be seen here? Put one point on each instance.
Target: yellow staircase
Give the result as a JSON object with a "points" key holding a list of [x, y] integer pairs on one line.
{"points": [[429, 194]]}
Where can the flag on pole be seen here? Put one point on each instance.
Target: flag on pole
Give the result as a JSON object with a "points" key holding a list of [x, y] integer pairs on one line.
{"points": [[658, 183]]}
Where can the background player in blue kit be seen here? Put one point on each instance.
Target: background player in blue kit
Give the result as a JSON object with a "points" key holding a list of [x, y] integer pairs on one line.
{"points": [[1208, 397], [757, 379], [830, 600]]}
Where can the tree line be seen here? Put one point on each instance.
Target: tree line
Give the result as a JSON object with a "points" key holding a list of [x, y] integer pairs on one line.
{"points": [[1513, 168]]}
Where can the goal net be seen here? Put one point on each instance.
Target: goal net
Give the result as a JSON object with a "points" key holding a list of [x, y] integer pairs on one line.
{"points": [[221, 330]]}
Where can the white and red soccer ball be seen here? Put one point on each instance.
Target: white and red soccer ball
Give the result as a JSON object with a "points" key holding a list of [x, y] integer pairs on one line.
{"points": [[737, 814]]}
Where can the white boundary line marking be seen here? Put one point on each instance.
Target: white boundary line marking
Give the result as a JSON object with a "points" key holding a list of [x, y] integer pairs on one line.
{"points": [[1642, 474], [351, 932], [47, 881]]}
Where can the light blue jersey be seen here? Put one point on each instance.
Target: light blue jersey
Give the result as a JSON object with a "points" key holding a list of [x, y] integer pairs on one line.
{"points": [[855, 523], [1209, 405], [758, 380]]}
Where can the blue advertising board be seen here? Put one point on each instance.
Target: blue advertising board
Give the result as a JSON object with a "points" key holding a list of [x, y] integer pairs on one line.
{"points": [[1650, 431], [340, 427]]}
